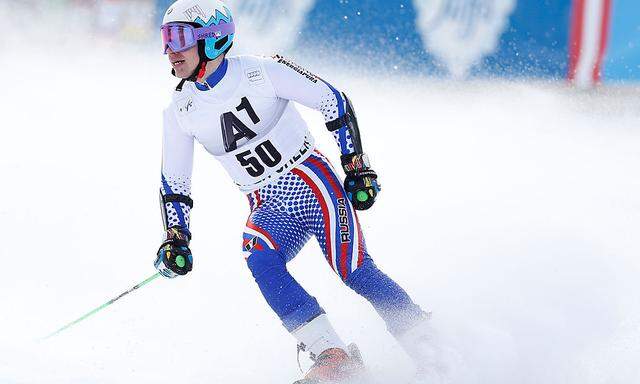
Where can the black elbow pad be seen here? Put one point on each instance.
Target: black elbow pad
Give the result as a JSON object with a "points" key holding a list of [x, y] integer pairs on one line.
{"points": [[350, 121]]}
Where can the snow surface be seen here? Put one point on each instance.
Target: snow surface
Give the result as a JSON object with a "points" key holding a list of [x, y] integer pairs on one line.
{"points": [[511, 210]]}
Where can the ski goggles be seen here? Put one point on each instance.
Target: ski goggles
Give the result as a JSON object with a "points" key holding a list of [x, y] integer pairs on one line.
{"points": [[180, 36]]}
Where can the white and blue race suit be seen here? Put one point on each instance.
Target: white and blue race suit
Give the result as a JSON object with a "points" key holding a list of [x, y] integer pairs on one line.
{"points": [[244, 116]]}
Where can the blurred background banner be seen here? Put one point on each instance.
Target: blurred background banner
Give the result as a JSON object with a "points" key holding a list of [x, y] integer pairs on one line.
{"points": [[554, 39], [583, 41], [622, 61]]}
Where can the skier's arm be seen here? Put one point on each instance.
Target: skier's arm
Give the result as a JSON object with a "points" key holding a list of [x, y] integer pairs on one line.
{"points": [[293, 82], [177, 165], [174, 257]]}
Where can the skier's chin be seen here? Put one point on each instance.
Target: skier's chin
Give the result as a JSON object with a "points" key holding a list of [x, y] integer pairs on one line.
{"points": [[183, 73]]}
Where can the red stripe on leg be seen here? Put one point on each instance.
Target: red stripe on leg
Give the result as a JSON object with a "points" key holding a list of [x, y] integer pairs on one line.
{"points": [[266, 234], [343, 261], [258, 199], [325, 212], [250, 201], [330, 176]]}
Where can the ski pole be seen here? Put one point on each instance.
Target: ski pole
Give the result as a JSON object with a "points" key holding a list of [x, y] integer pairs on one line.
{"points": [[103, 306]]}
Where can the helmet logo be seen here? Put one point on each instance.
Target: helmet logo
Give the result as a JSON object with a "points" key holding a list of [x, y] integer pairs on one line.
{"points": [[194, 12], [215, 19], [214, 35], [170, 11]]}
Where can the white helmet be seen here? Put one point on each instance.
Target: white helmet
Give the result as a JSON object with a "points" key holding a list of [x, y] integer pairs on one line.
{"points": [[203, 13]]}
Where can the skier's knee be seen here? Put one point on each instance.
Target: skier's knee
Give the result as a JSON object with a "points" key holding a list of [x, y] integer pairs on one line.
{"points": [[286, 297], [365, 271], [260, 262]]}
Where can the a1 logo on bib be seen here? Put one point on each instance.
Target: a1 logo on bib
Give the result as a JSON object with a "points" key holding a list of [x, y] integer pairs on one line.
{"points": [[234, 130], [462, 32], [257, 159]]}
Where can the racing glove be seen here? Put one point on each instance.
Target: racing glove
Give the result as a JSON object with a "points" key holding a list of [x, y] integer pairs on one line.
{"points": [[361, 183], [174, 256]]}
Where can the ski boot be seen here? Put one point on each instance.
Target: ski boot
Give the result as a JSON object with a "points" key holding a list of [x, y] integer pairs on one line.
{"points": [[335, 366]]}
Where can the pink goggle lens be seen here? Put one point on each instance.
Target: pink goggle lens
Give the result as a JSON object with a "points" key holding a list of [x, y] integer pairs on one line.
{"points": [[177, 37]]}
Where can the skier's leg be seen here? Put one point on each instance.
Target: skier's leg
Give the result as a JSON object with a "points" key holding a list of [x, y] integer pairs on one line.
{"points": [[271, 239], [342, 242], [405, 320], [267, 250]]}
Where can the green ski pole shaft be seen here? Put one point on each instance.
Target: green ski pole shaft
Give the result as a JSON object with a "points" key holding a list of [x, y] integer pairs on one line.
{"points": [[103, 306]]}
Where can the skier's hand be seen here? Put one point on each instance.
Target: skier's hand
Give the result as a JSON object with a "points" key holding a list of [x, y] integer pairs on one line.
{"points": [[361, 182], [174, 256]]}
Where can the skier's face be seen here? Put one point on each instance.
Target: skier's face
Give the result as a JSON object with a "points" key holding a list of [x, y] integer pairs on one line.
{"points": [[185, 62]]}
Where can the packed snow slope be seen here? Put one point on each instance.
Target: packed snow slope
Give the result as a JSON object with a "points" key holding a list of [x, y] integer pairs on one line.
{"points": [[511, 210]]}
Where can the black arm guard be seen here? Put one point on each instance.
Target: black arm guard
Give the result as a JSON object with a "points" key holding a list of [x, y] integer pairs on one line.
{"points": [[351, 122], [172, 198], [175, 198]]}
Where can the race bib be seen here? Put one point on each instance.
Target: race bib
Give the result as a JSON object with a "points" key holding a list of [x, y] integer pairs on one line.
{"points": [[263, 160]]}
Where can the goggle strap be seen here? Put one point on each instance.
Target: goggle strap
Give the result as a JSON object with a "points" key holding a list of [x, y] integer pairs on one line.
{"points": [[214, 31]]}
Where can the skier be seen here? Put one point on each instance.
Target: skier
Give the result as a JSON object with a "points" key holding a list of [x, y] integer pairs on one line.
{"points": [[240, 109]]}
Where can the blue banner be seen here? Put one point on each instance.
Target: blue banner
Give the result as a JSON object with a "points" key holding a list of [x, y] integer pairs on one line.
{"points": [[551, 39], [623, 53]]}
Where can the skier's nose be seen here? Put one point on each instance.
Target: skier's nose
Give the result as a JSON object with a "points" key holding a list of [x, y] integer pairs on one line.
{"points": [[173, 56]]}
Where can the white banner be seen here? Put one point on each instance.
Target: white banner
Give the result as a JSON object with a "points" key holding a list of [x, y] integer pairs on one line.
{"points": [[461, 32], [268, 26]]}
